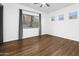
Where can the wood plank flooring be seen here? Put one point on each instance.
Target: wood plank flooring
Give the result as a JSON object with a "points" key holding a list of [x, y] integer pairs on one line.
{"points": [[45, 46]]}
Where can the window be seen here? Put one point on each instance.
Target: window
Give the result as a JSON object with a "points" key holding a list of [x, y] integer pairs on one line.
{"points": [[30, 21]]}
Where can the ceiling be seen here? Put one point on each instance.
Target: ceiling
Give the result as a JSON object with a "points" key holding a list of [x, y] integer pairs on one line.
{"points": [[53, 6]]}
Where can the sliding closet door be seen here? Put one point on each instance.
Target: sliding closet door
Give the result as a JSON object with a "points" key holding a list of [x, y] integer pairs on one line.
{"points": [[1, 24]]}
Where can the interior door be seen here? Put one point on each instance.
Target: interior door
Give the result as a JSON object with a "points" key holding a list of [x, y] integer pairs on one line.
{"points": [[1, 24]]}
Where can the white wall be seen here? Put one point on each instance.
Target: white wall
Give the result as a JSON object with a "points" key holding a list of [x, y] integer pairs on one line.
{"points": [[11, 22], [68, 28]]}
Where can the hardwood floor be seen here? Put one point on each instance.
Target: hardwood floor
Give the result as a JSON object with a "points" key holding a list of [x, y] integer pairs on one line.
{"points": [[45, 46]]}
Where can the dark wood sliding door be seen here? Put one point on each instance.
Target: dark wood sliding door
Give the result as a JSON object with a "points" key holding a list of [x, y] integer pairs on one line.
{"points": [[1, 24]]}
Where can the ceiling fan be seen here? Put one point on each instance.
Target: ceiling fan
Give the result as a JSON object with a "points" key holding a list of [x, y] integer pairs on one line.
{"points": [[42, 4]]}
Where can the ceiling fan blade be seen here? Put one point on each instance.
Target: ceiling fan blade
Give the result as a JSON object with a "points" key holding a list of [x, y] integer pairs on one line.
{"points": [[47, 4], [41, 5], [36, 3]]}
